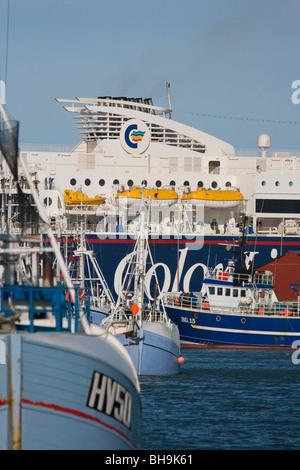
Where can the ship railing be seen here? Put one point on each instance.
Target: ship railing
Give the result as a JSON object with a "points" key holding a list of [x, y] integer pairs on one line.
{"points": [[225, 276], [33, 308], [263, 278], [196, 302]]}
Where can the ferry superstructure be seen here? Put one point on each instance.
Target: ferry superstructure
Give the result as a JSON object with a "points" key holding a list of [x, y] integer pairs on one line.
{"points": [[129, 145]]}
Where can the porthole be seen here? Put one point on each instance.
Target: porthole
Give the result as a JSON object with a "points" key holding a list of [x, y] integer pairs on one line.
{"points": [[291, 183], [200, 184], [186, 183], [73, 182], [218, 318], [115, 181], [228, 184], [101, 182], [130, 183], [263, 183], [144, 183], [195, 316], [214, 184], [243, 320], [276, 183], [172, 183], [158, 184], [87, 182]]}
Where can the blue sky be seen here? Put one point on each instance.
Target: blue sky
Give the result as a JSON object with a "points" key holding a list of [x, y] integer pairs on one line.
{"points": [[231, 58]]}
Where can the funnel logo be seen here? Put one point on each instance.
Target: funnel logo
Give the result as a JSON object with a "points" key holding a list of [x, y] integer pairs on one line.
{"points": [[135, 136]]}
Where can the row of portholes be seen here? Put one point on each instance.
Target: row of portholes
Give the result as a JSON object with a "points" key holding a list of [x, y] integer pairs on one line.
{"points": [[243, 320], [218, 318], [158, 183], [277, 183]]}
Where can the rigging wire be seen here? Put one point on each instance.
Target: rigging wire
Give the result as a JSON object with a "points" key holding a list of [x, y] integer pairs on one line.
{"points": [[239, 118], [7, 40]]}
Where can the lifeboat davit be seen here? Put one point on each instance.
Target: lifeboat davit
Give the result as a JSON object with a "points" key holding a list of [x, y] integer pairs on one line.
{"points": [[135, 194], [216, 198], [76, 198]]}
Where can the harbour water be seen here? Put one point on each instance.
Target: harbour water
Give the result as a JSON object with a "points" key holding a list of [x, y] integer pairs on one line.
{"points": [[224, 399]]}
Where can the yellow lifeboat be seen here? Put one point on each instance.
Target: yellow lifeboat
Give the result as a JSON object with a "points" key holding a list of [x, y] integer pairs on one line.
{"points": [[77, 198], [218, 198], [135, 194]]}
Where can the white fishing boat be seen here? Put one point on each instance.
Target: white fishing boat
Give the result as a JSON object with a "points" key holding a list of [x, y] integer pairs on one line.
{"points": [[150, 338], [64, 384]]}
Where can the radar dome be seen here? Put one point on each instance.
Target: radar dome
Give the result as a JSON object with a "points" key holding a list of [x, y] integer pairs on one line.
{"points": [[264, 141]]}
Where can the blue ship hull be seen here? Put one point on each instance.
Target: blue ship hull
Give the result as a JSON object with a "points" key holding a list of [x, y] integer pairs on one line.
{"points": [[199, 329], [180, 263]]}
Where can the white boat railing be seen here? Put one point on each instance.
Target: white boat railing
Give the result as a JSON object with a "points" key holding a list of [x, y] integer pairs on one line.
{"points": [[195, 302]]}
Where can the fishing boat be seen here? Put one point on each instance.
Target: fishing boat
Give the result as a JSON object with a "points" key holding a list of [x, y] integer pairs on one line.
{"points": [[214, 198], [150, 337], [236, 307], [64, 384], [94, 293]]}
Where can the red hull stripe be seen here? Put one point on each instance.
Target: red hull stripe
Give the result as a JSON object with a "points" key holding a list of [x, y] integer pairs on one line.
{"points": [[184, 242], [205, 242], [74, 413]]}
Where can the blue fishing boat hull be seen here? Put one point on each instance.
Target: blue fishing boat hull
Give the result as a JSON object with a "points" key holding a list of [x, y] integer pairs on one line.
{"points": [[202, 329], [156, 349], [65, 392]]}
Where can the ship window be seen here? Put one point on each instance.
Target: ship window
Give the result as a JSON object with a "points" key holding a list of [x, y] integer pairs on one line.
{"points": [[280, 206], [214, 184], [158, 184], [73, 181], [214, 167], [235, 292], [144, 183], [115, 181], [277, 183], [220, 291], [211, 290], [172, 183], [263, 183], [227, 292], [186, 183], [200, 184], [243, 293], [291, 183], [87, 182], [101, 182], [130, 183], [227, 184]]}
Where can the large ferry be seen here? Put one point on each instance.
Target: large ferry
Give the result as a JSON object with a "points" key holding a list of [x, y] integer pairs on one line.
{"points": [[196, 188]]}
